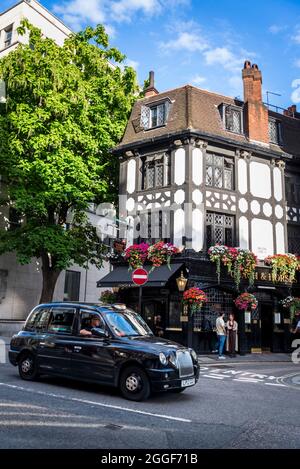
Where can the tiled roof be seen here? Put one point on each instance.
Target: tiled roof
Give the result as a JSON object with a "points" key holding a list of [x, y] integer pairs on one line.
{"points": [[196, 109]]}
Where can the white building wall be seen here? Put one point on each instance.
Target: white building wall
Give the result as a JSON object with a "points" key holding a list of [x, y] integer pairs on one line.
{"points": [[24, 286], [263, 202], [37, 15]]}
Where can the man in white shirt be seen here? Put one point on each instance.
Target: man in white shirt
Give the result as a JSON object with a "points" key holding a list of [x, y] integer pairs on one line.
{"points": [[221, 333]]}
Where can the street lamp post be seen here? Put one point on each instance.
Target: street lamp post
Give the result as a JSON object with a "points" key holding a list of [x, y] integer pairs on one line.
{"points": [[188, 326]]}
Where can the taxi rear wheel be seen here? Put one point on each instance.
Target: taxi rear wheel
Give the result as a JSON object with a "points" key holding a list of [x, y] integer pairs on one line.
{"points": [[134, 384], [28, 367]]}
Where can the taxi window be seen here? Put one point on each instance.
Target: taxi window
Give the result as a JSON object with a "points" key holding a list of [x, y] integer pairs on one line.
{"points": [[86, 319], [61, 320], [38, 320]]}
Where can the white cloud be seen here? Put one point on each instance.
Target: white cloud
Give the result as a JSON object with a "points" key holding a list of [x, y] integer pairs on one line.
{"points": [[123, 9], [223, 56], [276, 28], [198, 80], [78, 12], [131, 63], [191, 42], [296, 36], [295, 96]]}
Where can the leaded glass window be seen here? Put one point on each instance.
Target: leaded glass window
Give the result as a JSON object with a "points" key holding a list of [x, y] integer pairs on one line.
{"points": [[150, 175], [154, 116], [219, 171], [294, 239], [145, 117], [274, 131], [154, 226], [233, 119], [216, 300], [156, 171], [219, 229]]}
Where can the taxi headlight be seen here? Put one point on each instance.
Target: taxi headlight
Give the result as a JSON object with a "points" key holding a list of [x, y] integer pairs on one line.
{"points": [[193, 354], [173, 360], [163, 359]]}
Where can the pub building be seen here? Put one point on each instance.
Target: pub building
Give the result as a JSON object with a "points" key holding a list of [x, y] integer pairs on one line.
{"points": [[199, 169]]}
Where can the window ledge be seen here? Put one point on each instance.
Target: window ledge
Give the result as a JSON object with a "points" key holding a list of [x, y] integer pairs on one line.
{"points": [[151, 189], [235, 133], [156, 127], [233, 191]]}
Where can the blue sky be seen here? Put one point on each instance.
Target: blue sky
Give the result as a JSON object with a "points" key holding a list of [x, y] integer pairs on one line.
{"points": [[199, 42]]}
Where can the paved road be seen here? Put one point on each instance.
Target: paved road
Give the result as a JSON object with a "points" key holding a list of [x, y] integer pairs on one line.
{"points": [[233, 406]]}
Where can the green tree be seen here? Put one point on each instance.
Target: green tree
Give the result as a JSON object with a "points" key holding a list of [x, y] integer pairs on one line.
{"points": [[66, 108]]}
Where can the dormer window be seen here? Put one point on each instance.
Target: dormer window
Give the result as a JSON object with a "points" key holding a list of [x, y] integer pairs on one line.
{"points": [[232, 117], [275, 135], [154, 115]]}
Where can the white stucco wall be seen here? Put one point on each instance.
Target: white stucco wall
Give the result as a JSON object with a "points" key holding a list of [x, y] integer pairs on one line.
{"points": [[36, 14], [262, 238], [24, 285], [260, 180]]}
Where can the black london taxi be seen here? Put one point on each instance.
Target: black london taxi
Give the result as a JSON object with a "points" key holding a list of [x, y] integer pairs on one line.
{"points": [[108, 344]]}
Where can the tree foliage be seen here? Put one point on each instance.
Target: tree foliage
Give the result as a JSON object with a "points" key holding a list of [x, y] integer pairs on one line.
{"points": [[66, 108]]}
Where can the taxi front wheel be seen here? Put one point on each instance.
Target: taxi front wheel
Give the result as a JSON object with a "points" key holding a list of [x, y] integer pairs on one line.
{"points": [[28, 367], [134, 384]]}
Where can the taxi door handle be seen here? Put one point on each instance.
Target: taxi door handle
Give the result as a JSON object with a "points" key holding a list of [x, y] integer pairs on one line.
{"points": [[47, 344]]}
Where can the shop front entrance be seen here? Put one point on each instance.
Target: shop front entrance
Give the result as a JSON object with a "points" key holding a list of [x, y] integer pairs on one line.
{"points": [[266, 322]]}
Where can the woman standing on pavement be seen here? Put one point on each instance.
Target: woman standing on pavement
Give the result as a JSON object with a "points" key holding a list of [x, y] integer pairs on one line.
{"points": [[232, 338]]}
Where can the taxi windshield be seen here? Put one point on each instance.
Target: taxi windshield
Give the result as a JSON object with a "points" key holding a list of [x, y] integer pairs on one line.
{"points": [[126, 324]]}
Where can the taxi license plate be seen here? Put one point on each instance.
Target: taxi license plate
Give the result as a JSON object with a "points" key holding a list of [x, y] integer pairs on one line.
{"points": [[187, 382]]}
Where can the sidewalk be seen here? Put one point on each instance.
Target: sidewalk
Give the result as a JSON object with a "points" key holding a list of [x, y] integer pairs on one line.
{"points": [[5, 339], [213, 359]]}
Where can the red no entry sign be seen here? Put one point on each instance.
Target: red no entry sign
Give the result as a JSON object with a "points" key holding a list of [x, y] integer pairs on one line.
{"points": [[140, 276]]}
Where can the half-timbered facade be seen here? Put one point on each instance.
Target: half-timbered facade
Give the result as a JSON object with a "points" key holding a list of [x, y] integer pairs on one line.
{"points": [[198, 168]]}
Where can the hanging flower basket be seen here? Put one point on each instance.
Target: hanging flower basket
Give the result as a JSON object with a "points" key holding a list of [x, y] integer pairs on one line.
{"points": [[284, 267], [108, 297], [245, 264], [292, 303], [161, 253], [240, 263], [246, 302], [194, 298], [221, 254], [136, 255]]}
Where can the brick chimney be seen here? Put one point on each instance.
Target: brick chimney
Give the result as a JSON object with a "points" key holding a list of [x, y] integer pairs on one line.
{"points": [[291, 111], [151, 90], [256, 114]]}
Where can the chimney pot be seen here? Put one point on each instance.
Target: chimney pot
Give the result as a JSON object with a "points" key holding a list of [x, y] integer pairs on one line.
{"points": [[151, 90], [247, 64], [151, 79], [291, 111]]}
